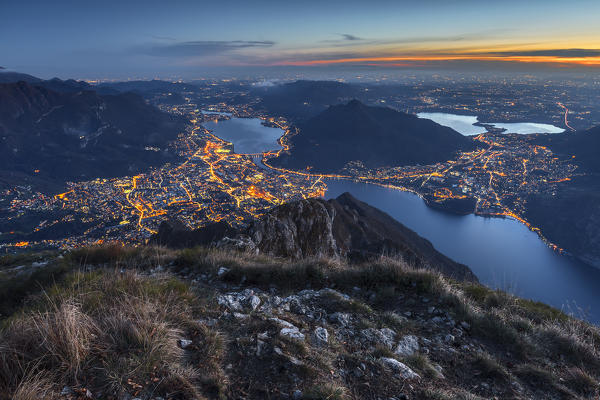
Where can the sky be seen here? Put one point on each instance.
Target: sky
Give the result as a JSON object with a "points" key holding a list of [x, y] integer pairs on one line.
{"points": [[143, 39]]}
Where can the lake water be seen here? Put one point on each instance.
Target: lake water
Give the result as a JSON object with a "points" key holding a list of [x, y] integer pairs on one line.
{"points": [[248, 135], [460, 123], [527, 128], [464, 124], [210, 112], [503, 253]]}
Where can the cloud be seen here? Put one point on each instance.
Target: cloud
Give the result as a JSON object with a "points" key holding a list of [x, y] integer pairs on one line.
{"points": [[344, 38], [199, 48], [348, 36], [171, 39], [349, 40], [1, 67], [559, 53]]}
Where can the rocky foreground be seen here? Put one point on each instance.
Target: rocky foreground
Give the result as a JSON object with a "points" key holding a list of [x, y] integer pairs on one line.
{"points": [[151, 323]]}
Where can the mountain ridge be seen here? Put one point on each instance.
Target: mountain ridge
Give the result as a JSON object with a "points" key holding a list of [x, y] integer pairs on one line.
{"points": [[375, 136], [79, 134]]}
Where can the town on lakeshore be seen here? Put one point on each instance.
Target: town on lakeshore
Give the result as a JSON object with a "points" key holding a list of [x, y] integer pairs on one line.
{"points": [[210, 182]]}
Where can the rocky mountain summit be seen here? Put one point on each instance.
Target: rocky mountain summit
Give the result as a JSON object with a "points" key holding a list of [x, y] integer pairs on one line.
{"points": [[341, 228], [150, 323]]}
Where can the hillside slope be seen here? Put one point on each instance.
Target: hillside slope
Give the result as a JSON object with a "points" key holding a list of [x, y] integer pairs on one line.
{"points": [[376, 136], [52, 137], [570, 216], [150, 323]]}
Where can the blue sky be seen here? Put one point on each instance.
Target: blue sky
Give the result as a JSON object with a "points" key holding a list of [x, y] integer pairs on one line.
{"points": [[158, 38]]}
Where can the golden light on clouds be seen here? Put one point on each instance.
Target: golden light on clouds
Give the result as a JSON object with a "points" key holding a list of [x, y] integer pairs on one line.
{"points": [[402, 60]]}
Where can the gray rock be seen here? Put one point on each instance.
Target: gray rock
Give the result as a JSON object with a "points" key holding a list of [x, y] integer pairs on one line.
{"points": [[449, 338], [384, 337], [238, 243], [320, 336], [395, 365], [184, 343], [297, 307], [407, 346], [297, 230], [263, 336], [339, 318], [297, 394], [283, 323], [292, 333], [37, 264], [222, 271], [240, 316], [66, 391], [229, 301], [254, 302], [260, 347]]}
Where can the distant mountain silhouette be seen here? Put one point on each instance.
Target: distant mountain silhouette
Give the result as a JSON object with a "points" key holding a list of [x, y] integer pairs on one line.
{"points": [[55, 84], [303, 99], [145, 88], [77, 135], [376, 136], [12, 77]]}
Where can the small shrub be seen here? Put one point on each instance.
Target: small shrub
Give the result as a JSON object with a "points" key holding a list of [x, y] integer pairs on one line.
{"points": [[382, 351], [325, 392], [494, 327], [422, 364], [540, 312], [489, 367], [535, 376], [581, 382], [572, 344]]}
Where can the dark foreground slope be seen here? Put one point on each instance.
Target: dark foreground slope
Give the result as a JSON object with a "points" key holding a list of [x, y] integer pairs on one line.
{"points": [[342, 228], [571, 216], [48, 137], [150, 323], [376, 136]]}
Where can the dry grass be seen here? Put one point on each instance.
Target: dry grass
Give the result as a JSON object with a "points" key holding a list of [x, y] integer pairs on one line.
{"points": [[325, 392], [117, 332], [581, 382], [110, 332]]}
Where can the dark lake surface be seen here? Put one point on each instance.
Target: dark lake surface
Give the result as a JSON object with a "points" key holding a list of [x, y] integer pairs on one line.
{"points": [[503, 253]]}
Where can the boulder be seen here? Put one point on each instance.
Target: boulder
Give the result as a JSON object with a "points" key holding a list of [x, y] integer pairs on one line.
{"points": [[402, 370], [407, 346], [320, 337], [379, 337]]}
